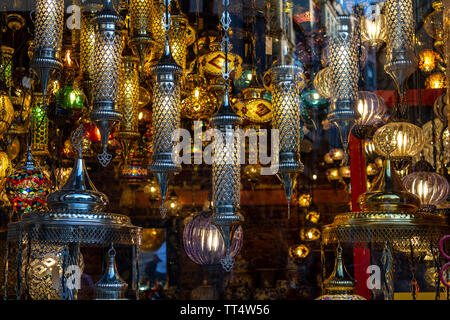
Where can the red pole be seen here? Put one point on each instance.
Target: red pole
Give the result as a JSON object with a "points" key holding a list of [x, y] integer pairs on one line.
{"points": [[361, 255]]}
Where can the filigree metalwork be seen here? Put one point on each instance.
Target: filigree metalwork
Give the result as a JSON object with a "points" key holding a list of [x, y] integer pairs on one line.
{"points": [[387, 260]]}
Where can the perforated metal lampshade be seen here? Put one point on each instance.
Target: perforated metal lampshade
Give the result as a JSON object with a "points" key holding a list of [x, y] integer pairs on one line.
{"points": [[344, 69], [141, 40], [107, 74], [39, 126], [47, 40]]}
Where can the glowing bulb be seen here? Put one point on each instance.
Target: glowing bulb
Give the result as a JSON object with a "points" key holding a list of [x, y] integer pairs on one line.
{"points": [[172, 205], [141, 115], [314, 176]]}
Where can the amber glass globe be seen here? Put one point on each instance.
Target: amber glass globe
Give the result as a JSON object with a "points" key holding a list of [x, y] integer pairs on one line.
{"points": [[199, 104], [427, 60], [408, 138], [431, 188], [322, 83]]}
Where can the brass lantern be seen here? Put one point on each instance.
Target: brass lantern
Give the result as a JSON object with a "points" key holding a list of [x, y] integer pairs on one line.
{"points": [[140, 25], [344, 70], [47, 40], [107, 75], [165, 115], [128, 130]]}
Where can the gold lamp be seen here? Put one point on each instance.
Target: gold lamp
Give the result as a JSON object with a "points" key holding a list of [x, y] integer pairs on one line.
{"points": [[140, 26], [6, 113], [427, 60]]}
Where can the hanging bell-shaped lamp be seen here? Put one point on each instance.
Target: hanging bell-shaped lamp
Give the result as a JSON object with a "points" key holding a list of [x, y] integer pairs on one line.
{"points": [[165, 115], [107, 75], [48, 40], [111, 286], [344, 46]]}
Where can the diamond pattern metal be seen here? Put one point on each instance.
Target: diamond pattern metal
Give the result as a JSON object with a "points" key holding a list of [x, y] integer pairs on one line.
{"points": [[87, 46], [400, 25], [49, 24]]}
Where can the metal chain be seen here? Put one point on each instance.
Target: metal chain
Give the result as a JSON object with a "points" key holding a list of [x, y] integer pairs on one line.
{"points": [[167, 21], [225, 45]]}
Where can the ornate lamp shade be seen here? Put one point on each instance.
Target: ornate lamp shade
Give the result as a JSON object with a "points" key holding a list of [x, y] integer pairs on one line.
{"points": [[401, 61], [71, 98], [256, 108], [203, 242], [39, 127], [140, 25], [286, 118], [372, 109], [298, 252], [27, 188], [165, 118], [436, 81], [6, 113], [6, 54], [434, 25], [211, 63], [344, 70], [431, 188], [373, 26], [5, 167], [128, 130], [107, 74], [111, 286], [157, 15], [409, 142], [339, 285], [47, 40], [199, 104], [440, 108]]}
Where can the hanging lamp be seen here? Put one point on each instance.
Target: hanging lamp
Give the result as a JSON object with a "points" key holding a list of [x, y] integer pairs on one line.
{"points": [[165, 114], [141, 40], [107, 74]]}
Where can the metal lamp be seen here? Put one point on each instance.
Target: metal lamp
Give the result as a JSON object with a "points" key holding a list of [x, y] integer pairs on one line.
{"points": [[107, 74], [165, 114], [48, 40], [141, 40]]}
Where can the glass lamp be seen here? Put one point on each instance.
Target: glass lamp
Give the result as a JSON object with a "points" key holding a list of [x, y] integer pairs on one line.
{"points": [[107, 74], [255, 108], [6, 67], [39, 127], [298, 252], [140, 27], [313, 216], [373, 26], [322, 83], [199, 104], [309, 234], [203, 242], [409, 140], [431, 188], [27, 188], [436, 81], [371, 109], [304, 200], [212, 63], [434, 25]]}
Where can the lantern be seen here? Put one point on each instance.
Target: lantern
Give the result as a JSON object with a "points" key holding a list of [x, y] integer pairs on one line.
{"points": [[212, 63], [313, 216], [322, 83], [6, 113], [401, 61], [344, 70], [309, 234], [286, 118], [304, 200], [204, 243], [409, 140], [27, 188], [107, 74], [256, 109], [128, 129], [427, 60], [39, 127], [165, 116], [434, 25], [47, 40], [71, 98], [339, 285], [436, 81], [6, 54], [200, 103], [373, 26], [431, 188], [372, 109], [298, 252], [111, 286], [140, 27]]}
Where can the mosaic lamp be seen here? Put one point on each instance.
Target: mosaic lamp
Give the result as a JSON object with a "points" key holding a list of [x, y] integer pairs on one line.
{"points": [[27, 188]]}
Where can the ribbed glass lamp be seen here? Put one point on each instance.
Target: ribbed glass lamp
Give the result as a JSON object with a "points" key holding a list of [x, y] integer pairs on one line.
{"points": [[373, 26], [371, 109], [431, 188]]}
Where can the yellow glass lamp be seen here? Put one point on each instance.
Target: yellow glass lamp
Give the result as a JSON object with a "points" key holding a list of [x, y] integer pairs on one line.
{"points": [[427, 60], [436, 81], [309, 234], [199, 104], [322, 83], [333, 174], [211, 63], [434, 25], [327, 158], [304, 200], [313, 216], [256, 109], [298, 252]]}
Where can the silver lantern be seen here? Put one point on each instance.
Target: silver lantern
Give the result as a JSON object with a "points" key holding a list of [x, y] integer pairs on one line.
{"points": [[107, 74], [48, 40], [165, 114], [111, 286]]}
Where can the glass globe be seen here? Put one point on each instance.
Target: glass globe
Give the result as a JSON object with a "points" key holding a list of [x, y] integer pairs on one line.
{"points": [[71, 98], [332, 174], [27, 189], [434, 24], [309, 234], [298, 252], [322, 83], [203, 242], [245, 78], [431, 188], [409, 140], [199, 104], [373, 29], [327, 158], [369, 149], [372, 110], [337, 154]]}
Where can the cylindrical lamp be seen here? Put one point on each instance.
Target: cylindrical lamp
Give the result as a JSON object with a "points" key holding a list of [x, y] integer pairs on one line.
{"points": [[140, 25], [39, 126]]}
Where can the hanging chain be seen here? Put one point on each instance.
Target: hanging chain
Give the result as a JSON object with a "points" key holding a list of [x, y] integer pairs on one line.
{"points": [[414, 283], [225, 45], [167, 21], [387, 260]]}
